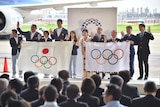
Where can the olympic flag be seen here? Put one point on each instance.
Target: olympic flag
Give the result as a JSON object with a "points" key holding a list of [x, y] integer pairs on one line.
{"points": [[107, 57], [47, 58]]}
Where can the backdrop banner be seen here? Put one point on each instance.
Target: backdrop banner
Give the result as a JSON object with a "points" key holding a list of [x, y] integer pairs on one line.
{"points": [[107, 57], [47, 58]]}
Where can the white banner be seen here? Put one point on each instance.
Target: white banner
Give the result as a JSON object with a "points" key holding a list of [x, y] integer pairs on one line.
{"points": [[45, 57], [107, 57]]}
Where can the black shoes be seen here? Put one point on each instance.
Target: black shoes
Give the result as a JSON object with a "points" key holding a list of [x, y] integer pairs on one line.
{"points": [[146, 77], [139, 78]]}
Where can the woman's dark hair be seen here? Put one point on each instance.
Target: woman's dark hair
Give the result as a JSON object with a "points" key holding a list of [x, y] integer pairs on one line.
{"points": [[75, 37]]}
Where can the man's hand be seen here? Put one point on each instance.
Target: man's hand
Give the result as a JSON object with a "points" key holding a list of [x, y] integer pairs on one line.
{"points": [[105, 38], [39, 36], [149, 29], [122, 34]]}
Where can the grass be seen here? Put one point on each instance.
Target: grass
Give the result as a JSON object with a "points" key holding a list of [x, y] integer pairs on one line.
{"points": [[120, 27]]}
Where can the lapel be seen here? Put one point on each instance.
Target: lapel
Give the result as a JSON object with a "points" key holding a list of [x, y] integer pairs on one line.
{"points": [[61, 32], [14, 40], [34, 37]]}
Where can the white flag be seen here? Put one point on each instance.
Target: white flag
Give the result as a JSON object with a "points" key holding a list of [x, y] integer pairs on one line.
{"points": [[45, 57], [107, 57]]}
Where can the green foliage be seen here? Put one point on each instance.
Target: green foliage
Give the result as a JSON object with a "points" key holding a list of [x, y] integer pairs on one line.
{"points": [[120, 27]]}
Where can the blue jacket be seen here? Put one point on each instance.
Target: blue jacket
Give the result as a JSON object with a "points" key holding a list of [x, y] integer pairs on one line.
{"points": [[132, 38], [62, 35]]}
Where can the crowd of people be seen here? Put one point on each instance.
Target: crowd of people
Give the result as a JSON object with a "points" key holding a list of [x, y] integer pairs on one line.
{"points": [[60, 92], [61, 34]]}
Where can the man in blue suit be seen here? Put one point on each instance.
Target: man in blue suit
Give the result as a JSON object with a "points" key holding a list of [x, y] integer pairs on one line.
{"points": [[32, 35], [129, 37], [15, 43], [60, 33]]}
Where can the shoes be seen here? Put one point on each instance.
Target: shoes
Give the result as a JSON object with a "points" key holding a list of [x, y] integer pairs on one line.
{"points": [[146, 77], [20, 76], [139, 78], [13, 76], [46, 76]]}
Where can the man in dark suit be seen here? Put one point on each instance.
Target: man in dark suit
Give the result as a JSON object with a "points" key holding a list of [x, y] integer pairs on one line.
{"points": [[31, 93], [114, 37], [129, 37], [116, 79], [73, 94], [142, 40], [46, 37], [60, 33], [15, 43], [99, 37], [149, 100], [32, 35], [128, 90]]}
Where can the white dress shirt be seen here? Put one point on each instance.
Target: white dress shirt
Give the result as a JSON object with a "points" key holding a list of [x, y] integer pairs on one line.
{"points": [[59, 30], [50, 104]]}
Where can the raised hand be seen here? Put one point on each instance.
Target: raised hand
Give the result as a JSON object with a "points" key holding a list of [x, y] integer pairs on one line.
{"points": [[105, 38], [149, 29], [122, 34], [17, 24]]}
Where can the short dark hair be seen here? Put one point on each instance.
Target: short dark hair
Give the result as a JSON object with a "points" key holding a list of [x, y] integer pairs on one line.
{"points": [[150, 86], [6, 96], [72, 91], [16, 84], [60, 20], [27, 75], [6, 76], [116, 79], [130, 27], [97, 79], [88, 86], [15, 103], [46, 32], [85, 30], [14, 30], [34, 25], [50, 93], [125, 75], [57, 82], [63, 74], [33, 82], [143, 25], [114, 90]]}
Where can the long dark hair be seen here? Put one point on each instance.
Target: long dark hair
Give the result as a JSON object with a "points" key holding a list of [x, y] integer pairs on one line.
{"points": [[75, 37]]}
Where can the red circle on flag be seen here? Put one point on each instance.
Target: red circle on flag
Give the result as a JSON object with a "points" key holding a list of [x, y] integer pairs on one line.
{"points": [[45, 50]]}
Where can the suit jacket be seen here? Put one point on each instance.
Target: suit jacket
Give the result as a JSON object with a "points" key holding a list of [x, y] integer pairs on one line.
{"points": [[147, 101], [29, 94], [62, 35], [72, 103], [97, 39], [143, 44], [125, 100], [132, 38], [27, 34], [92, 101], [15, 45], [61, 98], [158, 93], [43, 40], [116, 40], [130, 91], [98, 92], [37, 103]]}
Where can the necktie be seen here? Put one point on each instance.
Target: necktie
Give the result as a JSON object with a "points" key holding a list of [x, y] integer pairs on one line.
{"points": [[141, 35]]}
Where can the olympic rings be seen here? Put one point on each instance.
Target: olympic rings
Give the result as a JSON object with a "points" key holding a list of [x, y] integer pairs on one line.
{"points": [[43, 61], [108, 55], [97, 55]]}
